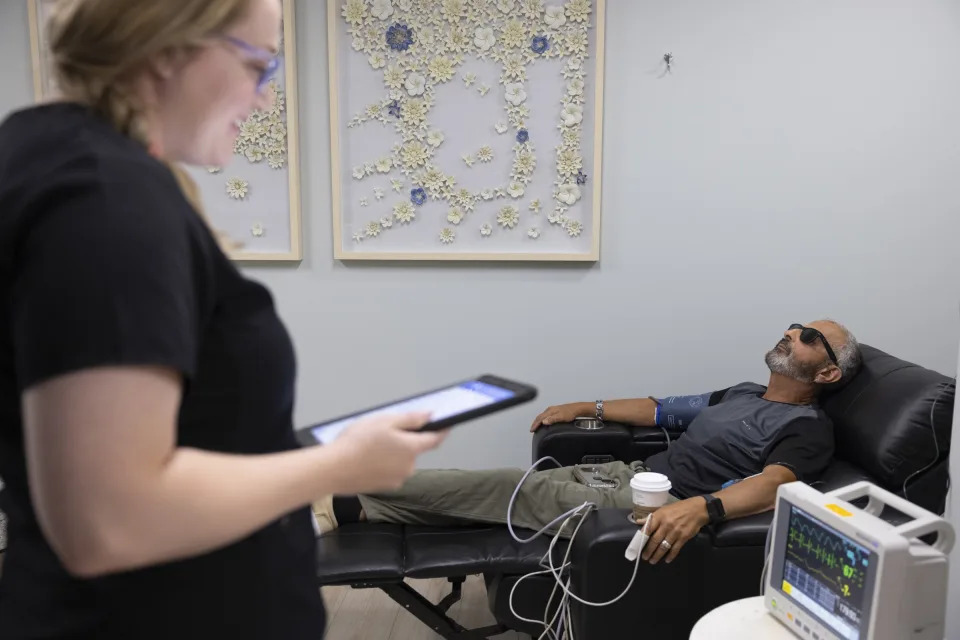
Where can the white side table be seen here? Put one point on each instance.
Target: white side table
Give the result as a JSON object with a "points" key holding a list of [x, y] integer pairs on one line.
{"points": [[745, 619]]}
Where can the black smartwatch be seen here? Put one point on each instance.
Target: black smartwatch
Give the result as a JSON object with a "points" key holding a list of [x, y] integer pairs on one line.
{"points": [[715, 509]]}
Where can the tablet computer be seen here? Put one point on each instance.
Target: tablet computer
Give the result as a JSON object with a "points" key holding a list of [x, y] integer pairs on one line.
{"points": [[449, 405]]}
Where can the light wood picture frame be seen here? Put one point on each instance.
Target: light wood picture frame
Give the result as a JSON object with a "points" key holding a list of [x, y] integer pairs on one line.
{"points": [[467, 130], [255, 199]]}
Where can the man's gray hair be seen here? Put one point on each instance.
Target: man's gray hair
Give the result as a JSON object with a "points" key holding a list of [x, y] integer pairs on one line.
{"points": [[848, 354]]}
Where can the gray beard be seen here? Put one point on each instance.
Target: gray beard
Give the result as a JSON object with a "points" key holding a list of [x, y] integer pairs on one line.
{"points": [[785, 365]]}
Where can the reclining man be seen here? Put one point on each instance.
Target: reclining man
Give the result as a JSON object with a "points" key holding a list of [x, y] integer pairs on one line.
{"points": [[738, 446]]}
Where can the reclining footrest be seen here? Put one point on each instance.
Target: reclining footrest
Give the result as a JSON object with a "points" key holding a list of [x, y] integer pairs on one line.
{"points": [[382, 556]]}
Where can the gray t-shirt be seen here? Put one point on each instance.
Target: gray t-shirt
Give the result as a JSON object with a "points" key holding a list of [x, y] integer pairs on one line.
{"points": [[740, 435]]}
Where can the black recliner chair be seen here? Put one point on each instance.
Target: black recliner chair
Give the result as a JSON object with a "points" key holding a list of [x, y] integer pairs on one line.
{"points": [[892, 424]]}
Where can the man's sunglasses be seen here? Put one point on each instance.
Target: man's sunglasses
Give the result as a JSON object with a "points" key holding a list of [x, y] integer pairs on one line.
{"points": [[809, 335], [271, 60]]}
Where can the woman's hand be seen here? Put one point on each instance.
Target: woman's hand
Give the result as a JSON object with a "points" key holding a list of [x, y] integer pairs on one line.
{"points": [[380, 453], [562, 413]]}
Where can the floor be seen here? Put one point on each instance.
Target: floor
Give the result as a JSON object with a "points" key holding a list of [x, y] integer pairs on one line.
{"points": [[370, 614]]}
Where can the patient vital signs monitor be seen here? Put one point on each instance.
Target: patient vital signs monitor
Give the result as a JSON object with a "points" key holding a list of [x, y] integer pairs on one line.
{"points": [[837, 571]]}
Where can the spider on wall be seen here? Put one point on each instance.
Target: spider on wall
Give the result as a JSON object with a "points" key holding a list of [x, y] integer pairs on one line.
{"points": [[667, 64]]}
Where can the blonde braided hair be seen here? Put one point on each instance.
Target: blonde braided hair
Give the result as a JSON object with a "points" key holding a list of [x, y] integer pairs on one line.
{"points": [[99, 47]]}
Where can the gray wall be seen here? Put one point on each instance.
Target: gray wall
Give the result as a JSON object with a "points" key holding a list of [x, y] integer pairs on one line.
{"points": [[801, 161]]}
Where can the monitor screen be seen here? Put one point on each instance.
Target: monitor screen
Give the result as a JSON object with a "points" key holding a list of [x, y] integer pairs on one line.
{"points": [[441, 404], [826, 573]]}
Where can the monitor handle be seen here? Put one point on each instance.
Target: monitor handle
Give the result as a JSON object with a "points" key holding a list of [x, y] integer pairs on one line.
{"points": [[924, 521]]}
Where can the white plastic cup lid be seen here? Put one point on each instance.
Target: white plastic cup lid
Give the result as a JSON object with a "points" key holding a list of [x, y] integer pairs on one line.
{"points": [[650, 481]]}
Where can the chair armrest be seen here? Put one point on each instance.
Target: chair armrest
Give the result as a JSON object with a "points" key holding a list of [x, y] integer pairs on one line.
{"points": [[741, 532], [752, 530], [569, 444], [664, 598]]}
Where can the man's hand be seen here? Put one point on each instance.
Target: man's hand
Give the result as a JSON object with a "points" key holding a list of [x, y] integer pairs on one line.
{"points": [[563, 413], [676, 523]]}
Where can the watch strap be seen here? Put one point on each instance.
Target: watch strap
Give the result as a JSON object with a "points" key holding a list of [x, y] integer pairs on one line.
{"points": [[715, 508]]}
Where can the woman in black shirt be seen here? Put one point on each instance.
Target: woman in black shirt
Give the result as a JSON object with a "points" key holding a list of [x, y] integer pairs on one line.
{"points": [[153, 485]]}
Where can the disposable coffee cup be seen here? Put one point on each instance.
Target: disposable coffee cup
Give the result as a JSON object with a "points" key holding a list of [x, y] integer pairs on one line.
{"points": [[650, 492]]}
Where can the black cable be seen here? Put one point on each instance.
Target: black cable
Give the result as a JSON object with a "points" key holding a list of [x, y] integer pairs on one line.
{"points": [[936, 445]]}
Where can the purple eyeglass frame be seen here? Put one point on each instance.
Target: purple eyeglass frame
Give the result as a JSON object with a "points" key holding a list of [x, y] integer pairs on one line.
{"points": [[264, 55]]}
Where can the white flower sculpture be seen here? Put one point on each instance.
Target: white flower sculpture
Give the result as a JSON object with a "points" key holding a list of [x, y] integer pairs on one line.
{"points": [[568, 194], [404, 212], [435, 138], [484, 39], [515, 93], [418, 45], [237, 188], [571, 115], [382, 9], [416, 84], [508, 217], [555, 17]]}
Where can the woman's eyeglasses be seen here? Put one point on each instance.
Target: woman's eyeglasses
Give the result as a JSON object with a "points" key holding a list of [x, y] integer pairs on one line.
{"points": [[809, 335], [270, 60]]}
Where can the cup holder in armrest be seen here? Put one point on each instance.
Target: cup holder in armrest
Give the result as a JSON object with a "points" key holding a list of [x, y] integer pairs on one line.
{"points": [[588, 424]]}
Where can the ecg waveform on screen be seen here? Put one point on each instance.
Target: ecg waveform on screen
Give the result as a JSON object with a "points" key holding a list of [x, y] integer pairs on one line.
{"points": [[825, 555]]}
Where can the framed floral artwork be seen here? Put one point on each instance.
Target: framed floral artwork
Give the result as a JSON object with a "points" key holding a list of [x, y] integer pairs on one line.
{"points": [[254, 200], [38, 12], [466, 129]]}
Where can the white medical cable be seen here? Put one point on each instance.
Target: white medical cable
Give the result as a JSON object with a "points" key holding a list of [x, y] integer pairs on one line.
{"points": [[513, 499], [563, 609]]}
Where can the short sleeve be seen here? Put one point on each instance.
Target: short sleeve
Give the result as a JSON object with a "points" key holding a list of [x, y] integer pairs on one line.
{"points": [[716, 397], [104, 276], [805, 446]]}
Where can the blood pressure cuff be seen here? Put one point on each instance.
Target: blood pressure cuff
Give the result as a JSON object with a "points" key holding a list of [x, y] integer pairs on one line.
{"points": [[677, 412]]}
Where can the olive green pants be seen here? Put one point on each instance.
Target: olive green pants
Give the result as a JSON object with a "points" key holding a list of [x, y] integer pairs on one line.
{"points": [[450, 497]]}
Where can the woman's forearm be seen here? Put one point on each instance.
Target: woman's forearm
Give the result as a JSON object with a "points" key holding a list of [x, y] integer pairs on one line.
{"points": [[199, 501]]}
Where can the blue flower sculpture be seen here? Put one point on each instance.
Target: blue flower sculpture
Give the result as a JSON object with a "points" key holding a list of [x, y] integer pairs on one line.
{"points": [[540, 44], [399, 37], [418, 196], [581, 177], [394, 108], [522, 135]]}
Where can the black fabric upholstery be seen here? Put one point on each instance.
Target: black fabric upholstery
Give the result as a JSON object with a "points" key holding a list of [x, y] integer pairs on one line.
{"points": [[359, 552], [433, 552], [365, 552], [882, 418], [570, 444]]}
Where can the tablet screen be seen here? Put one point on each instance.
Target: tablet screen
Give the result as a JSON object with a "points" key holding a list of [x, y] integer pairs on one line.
{"points": [[440, 404]]}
